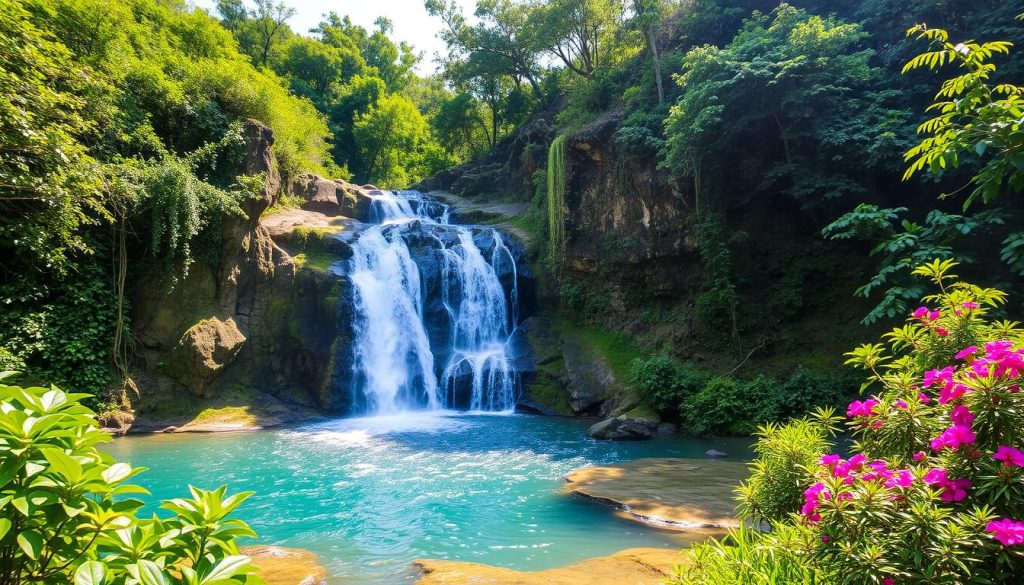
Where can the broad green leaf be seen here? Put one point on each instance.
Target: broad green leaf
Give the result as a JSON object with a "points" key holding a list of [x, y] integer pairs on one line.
{"points": [[91, 573], [31, 542], [117, 472]]}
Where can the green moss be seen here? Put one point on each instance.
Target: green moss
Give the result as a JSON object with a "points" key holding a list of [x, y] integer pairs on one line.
{"points": [[315, 260], [547, 392]]}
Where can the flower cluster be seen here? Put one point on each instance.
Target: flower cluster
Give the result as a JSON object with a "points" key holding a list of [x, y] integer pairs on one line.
{"points": [[1008, 532], [959, 434]]}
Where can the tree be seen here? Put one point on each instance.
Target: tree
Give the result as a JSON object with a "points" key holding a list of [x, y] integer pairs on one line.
{"points": [[647, 15], [270, 19], [575, 31], [820, 118], [501, 38], [389, 137], [461, 125], [232, 13]]}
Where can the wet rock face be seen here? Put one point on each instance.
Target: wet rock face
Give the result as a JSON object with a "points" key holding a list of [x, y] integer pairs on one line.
{"points": [[203, 351], [623, 429]]}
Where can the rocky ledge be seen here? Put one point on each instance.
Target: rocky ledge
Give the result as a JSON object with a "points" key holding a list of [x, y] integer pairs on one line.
{"points": [[635, 566], [286, 566], [682, 494]]}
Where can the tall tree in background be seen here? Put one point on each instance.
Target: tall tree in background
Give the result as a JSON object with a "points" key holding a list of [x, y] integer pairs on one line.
{"points": [[270, 21], [647, 15], [574, 31]]}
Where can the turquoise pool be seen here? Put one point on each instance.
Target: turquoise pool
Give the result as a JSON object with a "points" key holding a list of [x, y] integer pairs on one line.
{"points": [[369, 495]]}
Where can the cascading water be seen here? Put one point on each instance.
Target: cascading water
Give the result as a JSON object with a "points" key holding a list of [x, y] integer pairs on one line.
{"points": [[434, 307]]}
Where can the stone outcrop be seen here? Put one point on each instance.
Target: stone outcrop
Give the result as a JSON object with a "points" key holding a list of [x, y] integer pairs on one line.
{"points": [[332, 197], [682, 494], [635, 566], [286, 566], [203, 351]]}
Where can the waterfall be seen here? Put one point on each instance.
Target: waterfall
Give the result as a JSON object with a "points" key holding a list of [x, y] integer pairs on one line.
{"points": [[433, 308]]}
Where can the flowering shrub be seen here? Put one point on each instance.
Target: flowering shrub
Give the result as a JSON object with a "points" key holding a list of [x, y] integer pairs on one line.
{"points": [[932, 489]]}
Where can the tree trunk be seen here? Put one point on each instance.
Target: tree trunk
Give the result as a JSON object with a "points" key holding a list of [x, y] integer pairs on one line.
{"points": [[653, 40]]}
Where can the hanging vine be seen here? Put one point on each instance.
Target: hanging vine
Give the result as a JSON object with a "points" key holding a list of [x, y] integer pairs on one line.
{"points": [[556, 199]]}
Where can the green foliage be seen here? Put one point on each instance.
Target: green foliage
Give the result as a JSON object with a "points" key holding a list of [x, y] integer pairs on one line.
{"points": [[748, 557], [930, 471], [718, 301], [667, 381], [786, 456], [817, 99], [976, 118], [389, 134], [49, 185], [66, 517], [556, 199]]}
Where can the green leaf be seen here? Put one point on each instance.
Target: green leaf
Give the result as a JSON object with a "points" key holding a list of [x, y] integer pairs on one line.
{"points": [[227, 567], [148, 573], [63, 464], [31, 542], [5, 526], [116, 472], [91, 573]]}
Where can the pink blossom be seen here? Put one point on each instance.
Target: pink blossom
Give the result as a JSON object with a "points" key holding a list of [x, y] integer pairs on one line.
{"points": [[924, 398], [1008, 532], [956, 490], [967, 352], [951, 392], [954, 437], [936, 476], [901, 479], [921, 312], [961, 415], [888, 581], [901, 404], [859, 409], [943, 375], [824, 539], [830, 460], [1010, 456], [920, 455], [941, 332], [971, 305], [812, 499]]}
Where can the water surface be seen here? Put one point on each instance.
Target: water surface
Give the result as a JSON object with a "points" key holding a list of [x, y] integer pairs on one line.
{"points": [[369, 495]]}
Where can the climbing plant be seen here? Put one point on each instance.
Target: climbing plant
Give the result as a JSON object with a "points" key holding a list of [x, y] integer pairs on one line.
{"points": [[556, 198]]}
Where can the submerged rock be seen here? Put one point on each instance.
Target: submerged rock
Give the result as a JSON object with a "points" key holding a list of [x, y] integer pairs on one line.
{"points": [[622, 428], [635, 566], [683, 494], [716, 454], [286, 566]]}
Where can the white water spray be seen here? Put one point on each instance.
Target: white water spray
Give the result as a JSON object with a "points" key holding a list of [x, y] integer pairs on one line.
{"points": [[394, 366]]}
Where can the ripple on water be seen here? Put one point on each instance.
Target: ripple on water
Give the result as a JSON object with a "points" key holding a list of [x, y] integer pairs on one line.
{"points": [[368, 495]]}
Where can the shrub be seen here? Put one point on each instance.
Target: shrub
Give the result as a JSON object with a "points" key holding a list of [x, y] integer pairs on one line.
{"points": [[933, 489], [65, 517], [666, 381], [745, 557]]}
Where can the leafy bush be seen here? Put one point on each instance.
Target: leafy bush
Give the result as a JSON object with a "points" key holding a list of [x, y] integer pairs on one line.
{"points": [[666, 381], [933, 490], [745, 557], [65, 518]]}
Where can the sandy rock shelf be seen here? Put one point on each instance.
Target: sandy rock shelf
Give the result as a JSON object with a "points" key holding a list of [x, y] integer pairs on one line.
{"points": [[681, 494], [635, 566], [286, 566]]}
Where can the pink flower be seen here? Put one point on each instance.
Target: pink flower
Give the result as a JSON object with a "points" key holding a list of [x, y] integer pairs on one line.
{"points": [[859, 409], [956, 490], [888, 581], [954, 437], [919, 456], [951, 392], [824, 539], [901, 479], [967, 352], [961, 415], [901, 404], [1007, 531], [830, 460], [943, 375], [941, 332], [971, 305], [921, 312], [937, 476], [1010, 456], [924, 398], [812, 499], [933, 315]]}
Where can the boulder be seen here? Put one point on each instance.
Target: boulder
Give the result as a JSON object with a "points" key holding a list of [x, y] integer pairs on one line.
{"points": [[331, 197], [589, 378], [667, 429], [716, 454], [286, 566], [623, 428], [205, 349]]}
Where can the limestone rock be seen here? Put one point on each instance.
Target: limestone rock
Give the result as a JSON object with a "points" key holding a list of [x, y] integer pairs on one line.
{"points": [[622, 428], [204, 350], [635, 566], [332, 197], [286, 566], [683, 494], [588, 377]]}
